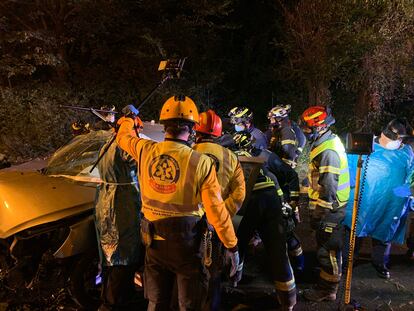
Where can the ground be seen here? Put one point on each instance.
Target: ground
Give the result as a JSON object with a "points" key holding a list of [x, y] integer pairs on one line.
{"points": [[373, 293], [256, 292]]}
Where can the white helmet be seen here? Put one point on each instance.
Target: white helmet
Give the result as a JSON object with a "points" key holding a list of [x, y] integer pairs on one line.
{"points": [[279, 112]]}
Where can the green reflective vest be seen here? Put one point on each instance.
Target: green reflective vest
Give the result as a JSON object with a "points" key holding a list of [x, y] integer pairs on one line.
{"points": [[343, 189]]}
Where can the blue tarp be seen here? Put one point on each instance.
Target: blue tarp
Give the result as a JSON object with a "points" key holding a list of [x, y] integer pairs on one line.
{"points": [[383, 208]]}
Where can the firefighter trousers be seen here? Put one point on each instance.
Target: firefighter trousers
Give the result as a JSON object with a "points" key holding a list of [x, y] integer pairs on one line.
{"points": [[330, 240], [215, 271], [264, 214], [295, 252], [177, 258], [118, 288]]}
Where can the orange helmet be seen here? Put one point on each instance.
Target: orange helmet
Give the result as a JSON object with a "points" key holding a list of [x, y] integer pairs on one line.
{"points": [[179, 108], [210, 123], [317, 116]]}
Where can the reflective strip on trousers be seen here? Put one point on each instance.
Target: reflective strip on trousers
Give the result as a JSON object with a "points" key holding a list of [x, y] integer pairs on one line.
{"points": [[334, 262], [294, 193], [296, 252], [285, 286], [329, 277]]}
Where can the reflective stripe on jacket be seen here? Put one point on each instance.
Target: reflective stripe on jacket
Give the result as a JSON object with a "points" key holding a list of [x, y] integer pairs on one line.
{"points": [[286, 176], [174, 179], [328, 173], [229, 174], [287, 141]]}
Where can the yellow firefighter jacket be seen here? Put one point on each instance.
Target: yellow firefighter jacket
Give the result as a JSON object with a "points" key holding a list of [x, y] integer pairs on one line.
{"points": [[229, 174], [174, 179]]}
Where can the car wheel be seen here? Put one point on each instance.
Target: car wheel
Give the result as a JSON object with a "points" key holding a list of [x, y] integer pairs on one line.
{"points": [[85, 285]]}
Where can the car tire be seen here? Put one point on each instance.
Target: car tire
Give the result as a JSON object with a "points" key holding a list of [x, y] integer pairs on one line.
{"points": [[83, 288]]}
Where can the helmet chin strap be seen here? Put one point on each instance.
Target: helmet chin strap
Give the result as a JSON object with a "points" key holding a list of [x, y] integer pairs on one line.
{"points": [[316, 133]]}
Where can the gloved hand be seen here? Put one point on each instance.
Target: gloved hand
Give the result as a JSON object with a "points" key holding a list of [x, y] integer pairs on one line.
{"points": [[133, 123], [130, 110], [232, 256], [238, 276], [287, 210], [295, 209]]}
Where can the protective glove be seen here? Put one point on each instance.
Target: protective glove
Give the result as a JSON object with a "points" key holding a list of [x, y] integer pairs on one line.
{"points": [[287, 210], [238, 276], [295, 209], [232, 256], [130, 110]]}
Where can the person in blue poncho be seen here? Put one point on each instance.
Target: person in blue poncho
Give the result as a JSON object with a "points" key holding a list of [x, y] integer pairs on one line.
{"points": [[383, 207]]}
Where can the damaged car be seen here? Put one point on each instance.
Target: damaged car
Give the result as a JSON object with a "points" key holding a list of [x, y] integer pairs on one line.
{"points": [[47, 231]]}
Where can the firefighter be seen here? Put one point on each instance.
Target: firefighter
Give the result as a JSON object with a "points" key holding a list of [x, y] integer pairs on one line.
{"points": [[242, 119], [285, 137], [117, 216], [174, 180], [288, 190], [328, 195], [233, 189], [264, 212], [80, 128], [109, 117]]}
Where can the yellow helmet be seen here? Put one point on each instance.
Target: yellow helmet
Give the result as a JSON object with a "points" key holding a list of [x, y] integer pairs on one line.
{"points": [[179, 107]]}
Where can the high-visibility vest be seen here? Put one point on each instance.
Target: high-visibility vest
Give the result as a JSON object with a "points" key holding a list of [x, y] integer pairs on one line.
{"points": [[342, 193], [171, 174], [225, 162]]}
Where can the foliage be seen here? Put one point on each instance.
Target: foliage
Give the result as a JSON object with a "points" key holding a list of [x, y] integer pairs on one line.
{"points": [[355, 55]]}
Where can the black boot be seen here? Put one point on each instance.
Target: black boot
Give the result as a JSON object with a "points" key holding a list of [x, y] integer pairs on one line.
{"points": [[382, 271], [323, 291]]}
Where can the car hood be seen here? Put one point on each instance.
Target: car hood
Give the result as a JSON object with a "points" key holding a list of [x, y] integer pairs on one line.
{"points": [[28, 199]]}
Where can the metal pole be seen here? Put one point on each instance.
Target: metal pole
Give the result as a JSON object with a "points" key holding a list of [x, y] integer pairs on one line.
{"points": [[352, 237], [88, 109], [143, 102], [153, 91]]}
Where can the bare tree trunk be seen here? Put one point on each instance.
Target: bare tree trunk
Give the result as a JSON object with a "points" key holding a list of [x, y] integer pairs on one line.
{"points": [[318, 93], [368, 101]]}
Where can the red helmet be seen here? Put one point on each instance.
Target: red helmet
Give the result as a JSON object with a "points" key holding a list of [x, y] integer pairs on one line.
{"points": [[318, 116], [210, 123]]}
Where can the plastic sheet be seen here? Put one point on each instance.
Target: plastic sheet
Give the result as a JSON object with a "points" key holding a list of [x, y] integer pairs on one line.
{"points": [[384, 201]]}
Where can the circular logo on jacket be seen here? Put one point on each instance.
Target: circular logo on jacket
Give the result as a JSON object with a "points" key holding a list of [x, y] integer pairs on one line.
{"points": [[164, 173]]}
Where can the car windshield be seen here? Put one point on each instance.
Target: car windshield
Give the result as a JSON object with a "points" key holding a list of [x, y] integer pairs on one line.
{"points": [[79, 155]]}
